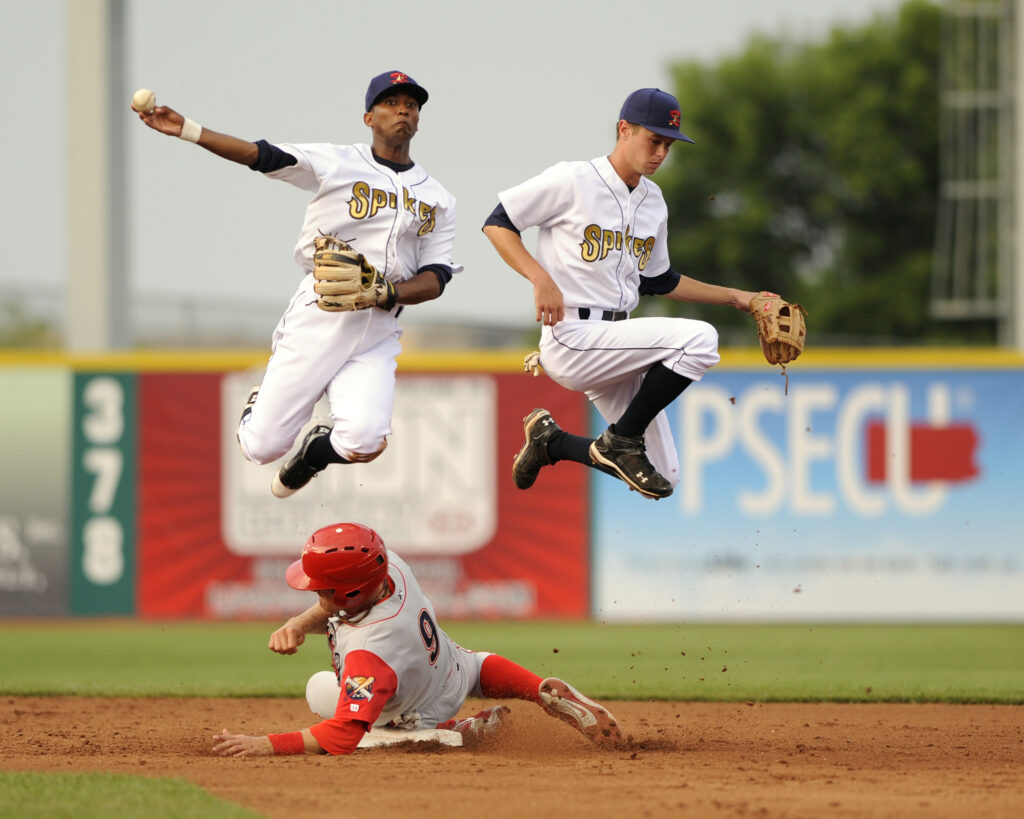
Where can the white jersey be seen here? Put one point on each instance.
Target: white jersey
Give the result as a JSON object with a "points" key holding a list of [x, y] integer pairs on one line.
{"points": [[434, 674], [596, 239], [596, 236], [400, 221]]}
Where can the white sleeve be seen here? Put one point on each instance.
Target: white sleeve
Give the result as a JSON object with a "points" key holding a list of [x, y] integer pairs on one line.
{"points": [[438, 246], [659, 261], [310, 167], [542, 200]]}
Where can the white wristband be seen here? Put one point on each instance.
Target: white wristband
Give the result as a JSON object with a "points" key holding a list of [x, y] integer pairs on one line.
{"points": [[190, 130]]}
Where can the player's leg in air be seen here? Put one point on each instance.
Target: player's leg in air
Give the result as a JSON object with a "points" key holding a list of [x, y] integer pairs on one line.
{"points": [[360, 394], [362, 398], [621, 450], [639, 368], [313, 456]]}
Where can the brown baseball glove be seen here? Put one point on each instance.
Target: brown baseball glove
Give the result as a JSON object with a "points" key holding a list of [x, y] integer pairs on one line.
{"points": [[781, 327], [345, 280]]}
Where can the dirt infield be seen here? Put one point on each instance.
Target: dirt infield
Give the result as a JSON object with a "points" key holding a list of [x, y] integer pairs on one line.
{"points": [[681, 759]]}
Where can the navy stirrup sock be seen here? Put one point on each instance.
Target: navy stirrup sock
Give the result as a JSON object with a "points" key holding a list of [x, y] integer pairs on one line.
{"points": [[321, 453], [569, 447], [660, 387]]}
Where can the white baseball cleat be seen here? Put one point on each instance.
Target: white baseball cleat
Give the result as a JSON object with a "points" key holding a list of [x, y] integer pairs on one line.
{"points": [[591, 719], [487, 722]]}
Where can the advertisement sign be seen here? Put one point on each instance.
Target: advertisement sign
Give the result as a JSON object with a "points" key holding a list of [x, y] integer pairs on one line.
{"points": [[859, 495], [214, 542], [34, 489], [434, 487]]}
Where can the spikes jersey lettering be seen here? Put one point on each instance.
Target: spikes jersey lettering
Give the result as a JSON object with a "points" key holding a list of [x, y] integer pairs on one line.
{"points": [[598, 243], [398, 232], [596, 235], [366, 202]]}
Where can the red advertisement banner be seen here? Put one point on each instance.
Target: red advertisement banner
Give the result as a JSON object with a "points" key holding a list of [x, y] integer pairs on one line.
{"points": [[200, 555]]}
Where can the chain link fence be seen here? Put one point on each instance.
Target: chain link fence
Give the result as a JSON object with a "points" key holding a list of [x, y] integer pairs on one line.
{"points": [[35, 318]]}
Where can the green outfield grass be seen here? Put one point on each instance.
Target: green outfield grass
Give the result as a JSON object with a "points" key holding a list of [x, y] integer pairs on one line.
{"points": [[851, 663], [111, 796]]}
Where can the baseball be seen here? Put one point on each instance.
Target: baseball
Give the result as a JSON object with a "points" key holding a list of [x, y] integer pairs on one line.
{"points": [[144, 100]]}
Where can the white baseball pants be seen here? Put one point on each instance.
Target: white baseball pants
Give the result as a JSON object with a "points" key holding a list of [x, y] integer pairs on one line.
{"points": [[350, 356], [607, 361]]}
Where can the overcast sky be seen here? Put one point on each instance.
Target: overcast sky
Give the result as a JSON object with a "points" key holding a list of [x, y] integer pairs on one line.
{"points": [[514, 87]]}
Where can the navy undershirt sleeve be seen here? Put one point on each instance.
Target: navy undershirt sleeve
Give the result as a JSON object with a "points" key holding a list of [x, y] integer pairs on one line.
{"points": [[442, 271], [500, 218], [271, 158], [659, 285]]}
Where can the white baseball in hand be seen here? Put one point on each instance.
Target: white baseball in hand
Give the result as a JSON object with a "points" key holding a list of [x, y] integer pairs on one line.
{"points": [[144, 100]]}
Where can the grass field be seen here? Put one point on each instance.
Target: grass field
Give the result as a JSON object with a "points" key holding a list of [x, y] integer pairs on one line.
{"points": [[851, 663], [111, 796]]}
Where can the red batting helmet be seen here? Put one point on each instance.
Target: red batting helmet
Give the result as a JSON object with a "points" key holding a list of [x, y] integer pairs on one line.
{"points": [[347, 557]]}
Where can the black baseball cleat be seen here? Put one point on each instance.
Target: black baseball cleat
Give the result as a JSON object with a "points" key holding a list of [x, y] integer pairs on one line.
{"points": [[539, 428], [295, 474], [626, 458]]}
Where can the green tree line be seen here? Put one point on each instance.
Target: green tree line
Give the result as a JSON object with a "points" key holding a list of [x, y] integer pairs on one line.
{"points": [[815, 174]]}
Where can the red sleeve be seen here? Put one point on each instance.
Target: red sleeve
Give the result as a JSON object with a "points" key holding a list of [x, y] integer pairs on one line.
{"points": [[367, 684]]}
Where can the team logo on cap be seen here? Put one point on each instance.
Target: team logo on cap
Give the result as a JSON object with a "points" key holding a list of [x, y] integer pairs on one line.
{"points": [[673, 118], [359, 688], [398, 77]]}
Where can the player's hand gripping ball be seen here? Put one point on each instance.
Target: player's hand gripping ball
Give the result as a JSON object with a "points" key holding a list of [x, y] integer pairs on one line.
{"points": [[781, 327], [144, 100], [345, 280]]}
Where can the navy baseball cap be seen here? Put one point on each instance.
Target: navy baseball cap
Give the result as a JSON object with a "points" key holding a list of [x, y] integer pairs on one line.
{"points": [[655, 110], [394, 79]]}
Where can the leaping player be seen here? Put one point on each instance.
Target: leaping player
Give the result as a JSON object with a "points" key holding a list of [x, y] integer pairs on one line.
{"points": [[390, 210], [603, 243]]}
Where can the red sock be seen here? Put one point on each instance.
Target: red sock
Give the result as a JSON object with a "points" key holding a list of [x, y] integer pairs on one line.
{"points": [[502, 679]]}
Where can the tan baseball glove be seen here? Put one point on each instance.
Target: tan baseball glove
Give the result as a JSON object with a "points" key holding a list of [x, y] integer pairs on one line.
{"points": [[781, 327], [345, 280]]}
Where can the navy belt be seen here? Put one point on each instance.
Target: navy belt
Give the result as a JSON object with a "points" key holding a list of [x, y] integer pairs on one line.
{"points": [[606, 315]]}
